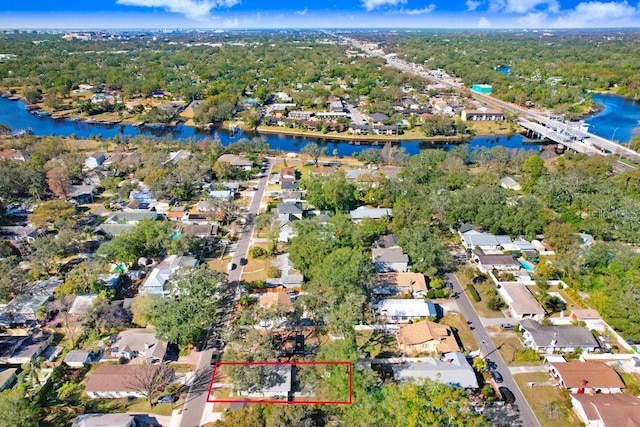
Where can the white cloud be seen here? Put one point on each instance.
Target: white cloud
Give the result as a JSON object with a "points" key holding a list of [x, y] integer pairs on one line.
{"points": [[484, 23], [192, 9], [301, 12], [522, 6], [472, 5], [375, 4], [424, 10], [596, 13], [533, 19]]}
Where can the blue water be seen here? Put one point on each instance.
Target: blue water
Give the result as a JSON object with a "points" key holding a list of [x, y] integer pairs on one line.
{"points": [[527, 265], [620, 119], [619, 113]]}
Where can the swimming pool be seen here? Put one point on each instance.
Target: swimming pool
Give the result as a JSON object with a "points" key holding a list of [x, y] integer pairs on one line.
{"points": [[527, 265]]}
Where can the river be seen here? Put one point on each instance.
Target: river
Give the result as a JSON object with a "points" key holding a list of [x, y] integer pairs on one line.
{"points": [[619, 116]]}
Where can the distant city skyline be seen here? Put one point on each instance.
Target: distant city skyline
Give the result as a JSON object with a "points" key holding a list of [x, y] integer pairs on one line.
{"points": [[227, 14]]}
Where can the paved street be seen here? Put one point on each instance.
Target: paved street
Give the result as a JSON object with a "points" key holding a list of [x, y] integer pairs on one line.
{"points": [[487, 349], [193, 408]]}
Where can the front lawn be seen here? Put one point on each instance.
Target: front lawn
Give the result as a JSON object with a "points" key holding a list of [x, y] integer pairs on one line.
{"points": [[549, 403]]}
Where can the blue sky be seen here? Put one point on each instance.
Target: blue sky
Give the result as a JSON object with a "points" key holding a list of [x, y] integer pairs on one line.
{"points": [[318, 13]]}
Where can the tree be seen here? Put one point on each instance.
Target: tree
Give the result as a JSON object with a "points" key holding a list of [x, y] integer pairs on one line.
{"points": [[427, 253], [150, 380], [72, 326], [495, 303], [314, 150], [480, 364], [193, 305], [17, 410], [554, 304], [52, 212], [58, 181], [142, 307]]}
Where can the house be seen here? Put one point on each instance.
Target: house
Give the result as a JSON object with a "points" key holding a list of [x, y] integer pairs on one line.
{"points": [[379, 118], [400, 283], [354, 174], [547, 339], [178, 156], [482, 114], [385, 129], [200, 230], [8, 377], [453, 369], [287, 175], [14, 155], [359, 129], [94, 160], [140, 342], [405, 310], [225, 195], [30, 348], [426, 337], [116, 381], [157, 281], [587, 377], [82, 193], [374, 213], [106, 420], [234, 160], [290, 278], [282, 383], [300, 115], [607, 410], [277, 301], [487, 263], [289, 209], [336, 106], [510, 184], [390, 260], [19, 233], [522, 304], [487, 242], [81, 305], [22, 309], [77, 358]]}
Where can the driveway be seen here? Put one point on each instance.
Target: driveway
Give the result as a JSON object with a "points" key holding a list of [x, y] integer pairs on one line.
{"points": [[487, 349], [193, 409]]}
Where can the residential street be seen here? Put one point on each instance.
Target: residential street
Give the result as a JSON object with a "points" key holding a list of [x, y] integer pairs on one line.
{"points": [[487, 349], [192, 411]]}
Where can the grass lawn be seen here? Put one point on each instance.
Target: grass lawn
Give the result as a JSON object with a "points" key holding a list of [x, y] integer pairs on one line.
{"points": [[256, 269], [540, 396], [219, 264], [377, 344], [461, 329], [142, 406], [508, 344]]}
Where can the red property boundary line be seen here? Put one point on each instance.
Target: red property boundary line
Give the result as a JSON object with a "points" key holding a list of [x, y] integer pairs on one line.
{"points": [[349, 366]]}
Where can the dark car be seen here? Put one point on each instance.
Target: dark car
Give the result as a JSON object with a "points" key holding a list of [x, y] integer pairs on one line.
{"points": [[168, 398], [507, 395], [496, 376], [243, 261], [491, 364]]}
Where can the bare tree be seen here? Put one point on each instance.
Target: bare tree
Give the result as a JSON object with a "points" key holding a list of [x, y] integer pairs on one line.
{"points": [[150, 380], [72, 324], [58, 181]]}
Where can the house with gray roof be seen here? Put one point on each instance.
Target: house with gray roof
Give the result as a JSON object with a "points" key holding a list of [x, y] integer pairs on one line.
{"points": [[487, 263], [289, 209], [106, 420], [281, 384], [452, 369], [22, 309], [133, 343], [237, 161], [157, 281], [388, 260], [374, 213], [77, 358], [484, 241], [548, 339], [119, 222]]}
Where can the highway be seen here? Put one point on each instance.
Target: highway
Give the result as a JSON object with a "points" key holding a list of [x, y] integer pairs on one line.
{"points": [[487, 349], [193, 409]]}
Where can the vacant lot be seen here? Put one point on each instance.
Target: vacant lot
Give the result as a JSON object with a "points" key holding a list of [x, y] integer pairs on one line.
{"points": [[550, 404]]}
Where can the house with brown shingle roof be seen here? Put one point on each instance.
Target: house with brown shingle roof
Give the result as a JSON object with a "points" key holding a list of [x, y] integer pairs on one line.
{"points": [[587, 377], [400, 283], [607, 410], [278, 301], [115, 381], [427, 337]]}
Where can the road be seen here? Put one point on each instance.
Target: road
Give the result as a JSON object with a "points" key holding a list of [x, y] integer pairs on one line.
{"points": [[487, 349], [193, 408]]}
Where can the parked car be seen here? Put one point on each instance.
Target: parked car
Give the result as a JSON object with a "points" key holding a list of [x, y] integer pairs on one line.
{"points": [[507, 326], [491, 365], [167, 398], [507, 395], [497, 377]]}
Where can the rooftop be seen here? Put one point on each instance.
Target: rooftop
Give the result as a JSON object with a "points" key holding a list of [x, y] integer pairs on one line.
{"points": [[407, 308], [425, 331], [452, 369], [415, 281], [559, 336], [521, 299], [588, 374], [389, 255], [614, 410]]}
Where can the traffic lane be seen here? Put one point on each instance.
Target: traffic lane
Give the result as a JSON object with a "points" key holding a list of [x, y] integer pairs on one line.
{"points": [[488, 350], [193, 407]]}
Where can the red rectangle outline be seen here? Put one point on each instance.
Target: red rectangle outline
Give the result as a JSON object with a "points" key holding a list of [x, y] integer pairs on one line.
{"points": [[281, 402]]}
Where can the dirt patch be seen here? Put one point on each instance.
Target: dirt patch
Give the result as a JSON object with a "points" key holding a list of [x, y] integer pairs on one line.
{"points": [[550, 404], [462, 331]]}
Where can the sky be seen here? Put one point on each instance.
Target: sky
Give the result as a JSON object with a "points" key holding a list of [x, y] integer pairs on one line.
{"points": [[226, 14]]}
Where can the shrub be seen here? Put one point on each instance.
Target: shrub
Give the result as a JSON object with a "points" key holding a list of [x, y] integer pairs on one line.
{"points": [[440, 293], [495, 303], [431, 293], [273, 273], [474, 293], [258, 252]]}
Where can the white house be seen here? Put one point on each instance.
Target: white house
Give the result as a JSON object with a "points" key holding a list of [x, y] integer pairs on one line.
{"points": [[522, 304], [390, 260], [281, 387], [453, 369], [77, 358], [94, 160], [548, 339], [405, 310], [156, 282]]}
